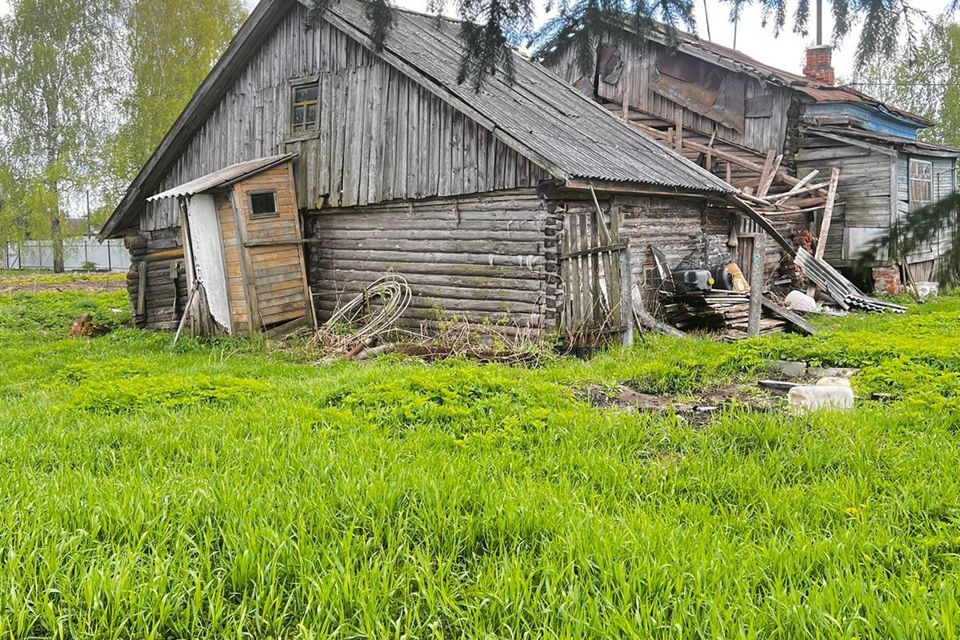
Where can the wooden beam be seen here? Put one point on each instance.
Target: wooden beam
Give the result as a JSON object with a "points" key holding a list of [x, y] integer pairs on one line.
{"points": [[803, 182], [827, 214], [799, 192], [678, 139], [757, 253], [720, 154], [767, 181], [789, 316]]}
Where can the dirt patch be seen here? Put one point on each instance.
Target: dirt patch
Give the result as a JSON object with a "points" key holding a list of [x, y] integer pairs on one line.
{"points": [[41, 283], [696, 411]]}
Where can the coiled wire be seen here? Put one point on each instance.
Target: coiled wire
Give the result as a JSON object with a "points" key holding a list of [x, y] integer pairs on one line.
{"points": [[391, 294]]}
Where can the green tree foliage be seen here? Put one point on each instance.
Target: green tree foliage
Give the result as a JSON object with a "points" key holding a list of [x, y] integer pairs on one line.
{"points": [[926, 83], [56, 85], [170, 46]]}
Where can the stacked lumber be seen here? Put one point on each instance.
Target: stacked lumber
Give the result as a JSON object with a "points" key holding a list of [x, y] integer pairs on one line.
{"points": [[721, 311], [156, 281]]}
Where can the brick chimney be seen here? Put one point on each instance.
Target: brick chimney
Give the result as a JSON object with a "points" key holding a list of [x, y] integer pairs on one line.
{"points": [[820, 64]]}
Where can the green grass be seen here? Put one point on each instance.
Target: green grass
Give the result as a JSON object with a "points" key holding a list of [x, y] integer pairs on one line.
{"points": [[48, 277], [223, 491]]}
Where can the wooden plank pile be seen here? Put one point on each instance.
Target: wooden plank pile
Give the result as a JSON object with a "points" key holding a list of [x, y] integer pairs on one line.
{"points": [[717, 310]]}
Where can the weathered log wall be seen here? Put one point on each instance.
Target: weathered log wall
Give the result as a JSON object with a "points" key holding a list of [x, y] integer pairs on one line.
{"points": [[689, 234], [486, 260], [157, 280]]}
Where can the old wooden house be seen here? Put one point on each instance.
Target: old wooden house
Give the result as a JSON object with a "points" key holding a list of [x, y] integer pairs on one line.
{"points": [[740, 118], [308, 165]]}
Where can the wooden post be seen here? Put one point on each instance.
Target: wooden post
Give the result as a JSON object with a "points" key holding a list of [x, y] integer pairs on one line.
{"points": [[679, 118], [827, 214], [756, 283], [626, 295], [626, 90]]}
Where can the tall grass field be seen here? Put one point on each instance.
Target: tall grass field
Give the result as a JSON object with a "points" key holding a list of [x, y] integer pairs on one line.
{"points": [[229, 490]]}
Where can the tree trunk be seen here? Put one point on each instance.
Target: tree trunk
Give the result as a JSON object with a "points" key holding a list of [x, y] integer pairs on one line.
{"points": [[56, 236]]}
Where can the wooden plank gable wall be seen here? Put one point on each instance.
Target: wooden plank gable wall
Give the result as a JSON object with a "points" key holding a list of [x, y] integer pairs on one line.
{"points": [[763, 129], [381, 136]]}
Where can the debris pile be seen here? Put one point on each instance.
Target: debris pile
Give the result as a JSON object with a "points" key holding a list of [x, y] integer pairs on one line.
{"points": [[717, 310], [718, 300]]}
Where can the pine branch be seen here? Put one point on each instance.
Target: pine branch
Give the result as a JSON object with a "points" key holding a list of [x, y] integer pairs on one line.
{"points": [[921, 228]]}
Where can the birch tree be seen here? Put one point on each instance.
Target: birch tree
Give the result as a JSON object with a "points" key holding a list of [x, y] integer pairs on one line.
{"points": [[55, 97], [169, 47]]}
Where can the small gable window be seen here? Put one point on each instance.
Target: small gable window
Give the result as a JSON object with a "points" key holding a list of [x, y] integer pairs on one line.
{"points": [[306, 107], [263, 204]]}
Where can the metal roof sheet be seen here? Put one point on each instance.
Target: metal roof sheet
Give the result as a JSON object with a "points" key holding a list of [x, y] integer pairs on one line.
{"points": [[221, 177]]}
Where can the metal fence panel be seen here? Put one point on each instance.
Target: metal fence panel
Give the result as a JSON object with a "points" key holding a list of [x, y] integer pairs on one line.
{"points": [[78, 253]]}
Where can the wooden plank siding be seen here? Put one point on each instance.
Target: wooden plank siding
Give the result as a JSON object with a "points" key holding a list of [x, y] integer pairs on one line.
{"points": [[236, 287], [864, 190], [944, 182], [276, 273], [487, 260], [636, 84], [380, 136]]}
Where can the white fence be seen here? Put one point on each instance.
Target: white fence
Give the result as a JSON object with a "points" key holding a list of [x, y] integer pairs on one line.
{"points": [[78, 253]]}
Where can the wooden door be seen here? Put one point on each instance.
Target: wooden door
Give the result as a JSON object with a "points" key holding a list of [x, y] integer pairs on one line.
{"points": [[271, 246]]}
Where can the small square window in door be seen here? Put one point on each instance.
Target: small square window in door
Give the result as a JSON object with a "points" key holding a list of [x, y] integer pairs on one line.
{"points": [[263, 204]]}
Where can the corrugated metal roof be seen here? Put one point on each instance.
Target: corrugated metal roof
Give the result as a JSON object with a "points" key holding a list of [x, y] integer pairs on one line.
{"points": [[221, 177], [572, 133]]}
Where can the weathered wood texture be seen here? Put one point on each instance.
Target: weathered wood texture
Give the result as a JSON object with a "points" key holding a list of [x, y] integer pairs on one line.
{"points": [[863, 192], [763, 128], [943, 176], [590, 270], [156, 280], [380, 137], [688, 233], [236, 286], [489, 259], [275, 271]]}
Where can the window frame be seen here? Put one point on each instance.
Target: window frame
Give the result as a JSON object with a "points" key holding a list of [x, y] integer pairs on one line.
{"points": [[914, 203], [265, 215], [307, 128]]}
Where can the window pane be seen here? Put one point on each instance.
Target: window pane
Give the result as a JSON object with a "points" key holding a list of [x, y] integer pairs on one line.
{"points": [[306, 93], [298, 116], [263, 203], [311, 119]]}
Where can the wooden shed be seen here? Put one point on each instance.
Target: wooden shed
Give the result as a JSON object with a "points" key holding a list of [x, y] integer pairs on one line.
{"points": [[243, 248], [523, 205]]}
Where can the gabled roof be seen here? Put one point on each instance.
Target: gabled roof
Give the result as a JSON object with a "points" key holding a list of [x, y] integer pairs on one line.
{"points": [[539, 115]]}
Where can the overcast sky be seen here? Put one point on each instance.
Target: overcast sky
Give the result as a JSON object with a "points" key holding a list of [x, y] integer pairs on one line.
{"points": [[754, 39]]}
